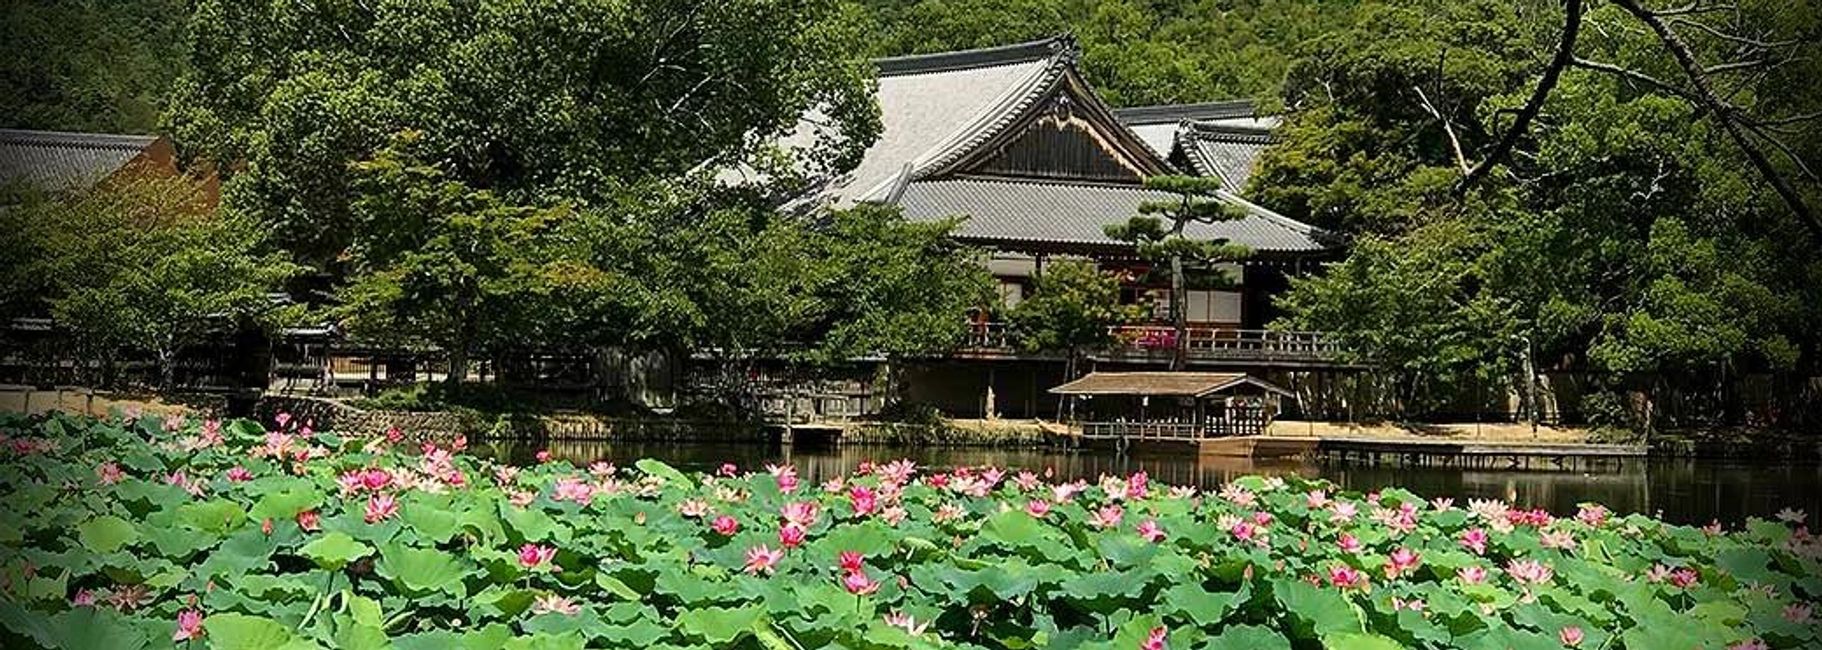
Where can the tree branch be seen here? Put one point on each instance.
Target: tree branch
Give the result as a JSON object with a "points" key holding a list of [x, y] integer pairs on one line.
{"points": [[1633, 75], [1736, 65], [1721, 112], [1448, 127], [1712, 31], [1565, 53]]}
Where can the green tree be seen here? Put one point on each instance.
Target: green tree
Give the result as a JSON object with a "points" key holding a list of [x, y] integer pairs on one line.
{"points": [[1074, 308], [1196, 202], [435, 261], [74, 65], [145, 266], [541, 103]]}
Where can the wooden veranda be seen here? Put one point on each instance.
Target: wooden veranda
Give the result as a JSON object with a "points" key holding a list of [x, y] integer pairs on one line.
{"points": [[1170, 406]]}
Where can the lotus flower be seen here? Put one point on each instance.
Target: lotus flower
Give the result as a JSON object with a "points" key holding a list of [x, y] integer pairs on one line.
{"points": [[1570, 636], [1754, 643], [1348, 543], [1316, 499], [1342, 511], [947, 512], [189, 625], [1472, 575], [724, 525], [1151, 531], [109, 473], [554, 604], [1529, 572], [1154, 640], [533, 556], [1684, 578], [905, 622], [1138, 485], [786, 476], [1107, 516], [863, 499], [790, 535], [83, 598], [1792, 516], [1798, 613], [850, 561], [308, 521], [1593, 514], [543, 456], [728, 470], [1400, 561], [1037, 508], [693, 508], [1346, 577], [857, 583], [1475, 539], [761, 559], [1558, 539], [239, 474], [802, 513], [381, 507]]}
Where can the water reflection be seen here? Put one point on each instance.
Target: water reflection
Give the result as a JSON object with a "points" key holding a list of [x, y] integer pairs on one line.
{"points": [[1681, 490]]}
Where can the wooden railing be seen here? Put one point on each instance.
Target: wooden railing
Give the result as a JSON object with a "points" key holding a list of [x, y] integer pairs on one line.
{"points": [[1238, 421], [1203, 342]]}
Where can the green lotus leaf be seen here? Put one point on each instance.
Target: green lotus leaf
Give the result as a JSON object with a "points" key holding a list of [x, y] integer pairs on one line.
{"points": [[1359, 641], [655, 467], [107, 534], [719, 625], [215, 515], [1317, 611], [334, 550], [421, 570], [1204, 608], [233, 631], [1251, 637], [284, 504]]}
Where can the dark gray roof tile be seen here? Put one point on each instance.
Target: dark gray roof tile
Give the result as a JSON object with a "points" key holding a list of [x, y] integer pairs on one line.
{"points": [[57, 161]]}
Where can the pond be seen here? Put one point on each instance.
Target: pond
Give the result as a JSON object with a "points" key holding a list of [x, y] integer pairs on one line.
{"points": [[1689, 491]]}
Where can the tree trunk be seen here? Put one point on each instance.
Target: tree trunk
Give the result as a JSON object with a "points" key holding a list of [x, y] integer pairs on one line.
{"points": [[458, 365], [1179, 319]]}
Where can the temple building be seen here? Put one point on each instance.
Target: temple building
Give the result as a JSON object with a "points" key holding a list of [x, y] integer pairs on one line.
{"points": [[1014, 140]]}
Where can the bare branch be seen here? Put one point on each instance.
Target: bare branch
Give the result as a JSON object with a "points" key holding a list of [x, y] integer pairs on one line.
{"points": [[1565, 53], [1447, 127], [1802, 167], [1737, 65], [1633, 75], [1722, 113], [1693, 8], [1780, 121], [1736, 38]]}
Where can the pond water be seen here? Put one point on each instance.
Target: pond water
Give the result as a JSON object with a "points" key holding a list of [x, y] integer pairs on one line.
{"points": [[1689, 491]]}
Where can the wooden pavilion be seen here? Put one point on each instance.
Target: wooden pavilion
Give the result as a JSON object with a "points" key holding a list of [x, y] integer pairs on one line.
{"points": [[1178, 406]]}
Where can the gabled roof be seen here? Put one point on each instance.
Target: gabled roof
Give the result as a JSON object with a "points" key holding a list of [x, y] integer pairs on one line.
{"points": [[1163, 384], [1070, 214], [57, 161], [1230, 153], [1159, 125]]}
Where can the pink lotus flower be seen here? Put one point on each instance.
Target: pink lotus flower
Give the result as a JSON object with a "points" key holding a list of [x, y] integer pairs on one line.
{"points": [[1472, 575], [786, 476], [1238, 495], [1316, 499], [1593, 514], [850, 561], [1529, 572], [1713, 528], [1342, 511], [573, 489], [1475, 539], [394, 435], [1442, 504], [1348, 543], [693, 508], [1346, 577], [728, 470], [1107, 516], [790, 535], [724, 525], [1401, 561], [189, 625], [533, 556], [109, 473], [1570, 636], [1754, 643], [1415, 605], [1792, 516], [1137, 485], [1684, 578], [1065, 492], [948, 512], [1151, 531], [1657, 573], [600, 469], [1154, 640], [1558, 539], [239, 474], [308, 521], [905, 622], [282, 419], [802, 513], [554, 604], [863, 500], [543, 456], [1025, 481], [857, 583], [898, 472], [762, 560], [522, 498], [1798, 612], [381, 507], [83, 598], [1037, 508]]}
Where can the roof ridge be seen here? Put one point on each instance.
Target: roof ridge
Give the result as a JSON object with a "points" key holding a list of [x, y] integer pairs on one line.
{"points": [[1059, 45], [1202, 128], [29, 137], [1169, 113]]}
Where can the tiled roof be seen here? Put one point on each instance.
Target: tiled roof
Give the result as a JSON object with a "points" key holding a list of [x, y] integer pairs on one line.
{"points": [[1182, 384], [1229, 153], [1057, 212], [1159, 125], [56, 161]]}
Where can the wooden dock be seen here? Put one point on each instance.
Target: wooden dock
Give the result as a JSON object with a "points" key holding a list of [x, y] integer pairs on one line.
{"points": [[1413, 451]]}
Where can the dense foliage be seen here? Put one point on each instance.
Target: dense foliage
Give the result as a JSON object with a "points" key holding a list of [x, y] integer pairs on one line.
{"points": [[73, 65], [127, 533]]}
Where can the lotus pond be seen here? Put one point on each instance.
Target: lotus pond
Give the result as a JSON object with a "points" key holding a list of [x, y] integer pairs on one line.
{"points": [[132, 533]]}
